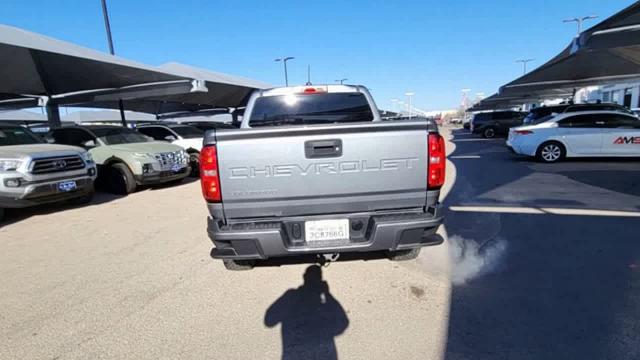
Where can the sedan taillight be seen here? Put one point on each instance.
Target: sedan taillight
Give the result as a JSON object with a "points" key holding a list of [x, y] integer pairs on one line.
{"points": [[523, 132], [209, 175]]}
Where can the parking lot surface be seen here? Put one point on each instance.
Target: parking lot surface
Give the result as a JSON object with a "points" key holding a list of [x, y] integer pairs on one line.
{"points": [[544, 261]]}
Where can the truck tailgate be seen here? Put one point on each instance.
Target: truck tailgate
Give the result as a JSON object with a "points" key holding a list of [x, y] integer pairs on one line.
{"points": [[318, 169]]}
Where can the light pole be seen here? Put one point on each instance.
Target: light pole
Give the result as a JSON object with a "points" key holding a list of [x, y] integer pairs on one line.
{"points": [[284, 61], [410, 96], [341, 81], [524, 64], [580, 21], [464, 102], [107, 26]]}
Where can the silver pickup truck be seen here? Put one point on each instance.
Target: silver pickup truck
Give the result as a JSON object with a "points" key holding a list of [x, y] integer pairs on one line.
{"points": [[314, 170], [33, 172]]}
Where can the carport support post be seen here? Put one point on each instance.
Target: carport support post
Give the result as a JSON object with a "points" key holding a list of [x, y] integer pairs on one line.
{"points": [[53, 115], [122, 117]]}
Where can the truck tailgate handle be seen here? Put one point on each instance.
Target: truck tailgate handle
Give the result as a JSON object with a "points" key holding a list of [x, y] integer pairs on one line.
{"points": [[323, 148]]}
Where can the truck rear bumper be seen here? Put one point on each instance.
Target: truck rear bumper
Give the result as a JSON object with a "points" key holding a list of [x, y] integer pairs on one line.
{"points": [[285, 237]]}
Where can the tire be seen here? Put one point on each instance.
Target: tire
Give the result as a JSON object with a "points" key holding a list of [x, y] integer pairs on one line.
{"points": [[403, 255], [489, 133], [551, 152], [239, 265], [194, 161], [121, 180]]}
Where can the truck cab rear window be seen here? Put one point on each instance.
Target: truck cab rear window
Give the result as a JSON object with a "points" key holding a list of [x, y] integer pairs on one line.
{"points": [[310, 109]]}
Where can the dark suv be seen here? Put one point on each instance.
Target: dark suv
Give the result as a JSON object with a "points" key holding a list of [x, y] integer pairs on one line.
{"points": [[491, 124], [537, 115]]}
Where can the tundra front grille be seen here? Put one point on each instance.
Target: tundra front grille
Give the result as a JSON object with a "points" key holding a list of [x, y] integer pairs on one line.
{"points": [[57, 164]]}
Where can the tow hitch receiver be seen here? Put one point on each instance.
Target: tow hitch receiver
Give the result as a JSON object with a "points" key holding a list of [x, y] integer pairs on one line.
{"points": [[326, 259]]}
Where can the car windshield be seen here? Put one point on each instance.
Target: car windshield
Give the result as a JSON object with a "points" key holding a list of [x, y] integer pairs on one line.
{"points": [[119, 135], [310, 109], [188, 132], [16, 135]]}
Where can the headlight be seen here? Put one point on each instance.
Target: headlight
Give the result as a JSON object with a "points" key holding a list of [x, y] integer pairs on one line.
{"points": [[144, 155], [9, 165], [87, 157]]}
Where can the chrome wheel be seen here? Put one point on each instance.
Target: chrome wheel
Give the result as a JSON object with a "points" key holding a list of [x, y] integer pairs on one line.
{"points": [[551, 153]]}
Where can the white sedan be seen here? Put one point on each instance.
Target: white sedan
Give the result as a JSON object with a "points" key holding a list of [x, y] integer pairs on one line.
{"points": [[578, 134]]}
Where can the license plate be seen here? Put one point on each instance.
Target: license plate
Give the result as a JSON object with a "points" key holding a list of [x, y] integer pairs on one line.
{"points": [[176, 167], [322, 230], [66, 186]]}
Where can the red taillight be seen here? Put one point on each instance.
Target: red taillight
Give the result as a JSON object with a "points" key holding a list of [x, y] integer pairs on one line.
{"points": [[209, 175], [437, 161], [523, 132]]}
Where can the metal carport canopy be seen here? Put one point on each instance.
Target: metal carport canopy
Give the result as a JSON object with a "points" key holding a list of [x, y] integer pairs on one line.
{"points": [[36, 70], [606, 53]]}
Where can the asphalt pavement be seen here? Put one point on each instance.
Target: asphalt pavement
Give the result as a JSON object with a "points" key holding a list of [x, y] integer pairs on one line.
{"points": [[560, 247], [541, 261]]}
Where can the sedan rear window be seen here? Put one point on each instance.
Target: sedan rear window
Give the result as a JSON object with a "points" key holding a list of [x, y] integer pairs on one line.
{"points": [[310, 109]]}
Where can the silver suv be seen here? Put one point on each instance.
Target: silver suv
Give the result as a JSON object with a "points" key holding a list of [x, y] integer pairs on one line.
{"points": [[33, 172]]}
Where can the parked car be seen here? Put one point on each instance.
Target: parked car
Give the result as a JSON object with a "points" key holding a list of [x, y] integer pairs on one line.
{"points": [[466, 122], [536, 114], [492, 124], [187, 137], [583, 134], [33, 172], [125, 157], [314, 170]]}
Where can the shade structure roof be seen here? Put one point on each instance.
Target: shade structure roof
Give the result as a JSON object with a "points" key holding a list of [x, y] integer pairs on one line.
{"points": [[607, 53], [34, 66]]}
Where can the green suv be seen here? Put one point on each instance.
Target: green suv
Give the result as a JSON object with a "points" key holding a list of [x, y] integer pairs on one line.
{"points": [[125, 158]]}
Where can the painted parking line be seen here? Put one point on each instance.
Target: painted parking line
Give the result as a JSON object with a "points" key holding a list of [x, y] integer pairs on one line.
{"points": [[545, 210], [465, 157]]}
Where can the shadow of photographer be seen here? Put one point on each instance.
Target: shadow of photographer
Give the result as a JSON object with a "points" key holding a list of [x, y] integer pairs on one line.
{"points": [[310, 319]]}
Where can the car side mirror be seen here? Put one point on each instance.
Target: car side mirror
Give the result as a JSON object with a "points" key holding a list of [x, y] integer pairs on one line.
{"points": [[170, 138], [50, 140], [89, 144]]}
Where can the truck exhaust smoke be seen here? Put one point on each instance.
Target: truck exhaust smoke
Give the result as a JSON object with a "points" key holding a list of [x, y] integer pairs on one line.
{"points": [[470, 259]]}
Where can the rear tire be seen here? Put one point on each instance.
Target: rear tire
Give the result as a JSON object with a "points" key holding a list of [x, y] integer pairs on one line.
{"points": [[489, 133], [239, 265], [551, 152], [121, 180], [403, 255]]}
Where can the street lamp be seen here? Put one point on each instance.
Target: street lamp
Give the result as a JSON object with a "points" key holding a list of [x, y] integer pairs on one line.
{"points": [[579, 21], [524, 64], [284, 61], [341, 81], [410, 96]]}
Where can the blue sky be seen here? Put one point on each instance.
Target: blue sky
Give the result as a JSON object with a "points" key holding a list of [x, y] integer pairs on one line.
{"points": [[433, 48]]}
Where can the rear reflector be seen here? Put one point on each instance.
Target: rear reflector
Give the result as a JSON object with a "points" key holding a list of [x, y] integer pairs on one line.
{"points": [[209, 175], [437, 161]]}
